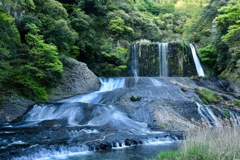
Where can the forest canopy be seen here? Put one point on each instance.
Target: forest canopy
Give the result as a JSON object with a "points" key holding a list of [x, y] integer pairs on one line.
{"points": [[36, 36]]}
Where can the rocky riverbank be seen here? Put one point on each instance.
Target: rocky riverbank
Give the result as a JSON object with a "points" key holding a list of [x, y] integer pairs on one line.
{"points": [[77, 79]]}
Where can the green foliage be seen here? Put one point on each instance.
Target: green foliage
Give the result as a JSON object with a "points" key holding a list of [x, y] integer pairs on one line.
{"points": [[28, 4], [207, 96], [208, 56], [134, 99], [167, 155], [228, 20], [117, 26], [216, 30], [99, 32], [236, 102], [51, 8], [9, 39], [60, 34], [43, 62], [207, 145], [28, 87]]}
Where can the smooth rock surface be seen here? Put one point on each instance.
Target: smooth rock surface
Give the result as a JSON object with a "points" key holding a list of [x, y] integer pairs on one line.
{"points": [[13, 107], [77, 79]]}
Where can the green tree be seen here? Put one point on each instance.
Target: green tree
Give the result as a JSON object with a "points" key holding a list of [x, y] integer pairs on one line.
{"points": [[43, 62], [9, 39], [228, 20]]}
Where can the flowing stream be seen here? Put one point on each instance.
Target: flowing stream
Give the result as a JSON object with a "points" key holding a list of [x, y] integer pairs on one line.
{"points": [[106, 124], [81, 127]]}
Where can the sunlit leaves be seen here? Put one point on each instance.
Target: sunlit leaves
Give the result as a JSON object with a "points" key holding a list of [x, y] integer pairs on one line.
{"points": [[43, 58]]}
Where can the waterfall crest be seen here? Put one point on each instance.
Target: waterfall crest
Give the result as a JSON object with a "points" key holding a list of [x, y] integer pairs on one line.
{"points": [[164, 60], [107, 84]]}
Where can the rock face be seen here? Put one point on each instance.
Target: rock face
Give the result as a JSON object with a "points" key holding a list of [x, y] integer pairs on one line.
{"points": [[149, 60], [169, 103], [77, 79], [13, 107]]}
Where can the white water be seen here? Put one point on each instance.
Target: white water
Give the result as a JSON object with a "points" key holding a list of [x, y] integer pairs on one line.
{"points": [[134, 61], [235, 118], [208, 116], [110, 84], [72, 112], [155, 82], [197, 62], [152, 146], [75, 115], [120, 120], [53, 154], [163, 60], [107, 84]]}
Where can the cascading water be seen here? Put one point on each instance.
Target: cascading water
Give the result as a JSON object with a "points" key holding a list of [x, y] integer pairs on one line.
{"points": [[208, 116], [155, 82], [74, 130], [163, 60], [110, 84], [134, 60], [235, 117], [70, 129], [107, 84], [70, 110], [197, 61], [76, 114]]}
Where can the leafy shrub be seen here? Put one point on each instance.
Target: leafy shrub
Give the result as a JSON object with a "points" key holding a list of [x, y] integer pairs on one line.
{"points": [[236, 102], [133, 98]]}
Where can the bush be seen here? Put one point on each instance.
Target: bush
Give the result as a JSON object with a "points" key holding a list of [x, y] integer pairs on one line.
{"points": [[169, 155], [236, 102], [133, 98]]}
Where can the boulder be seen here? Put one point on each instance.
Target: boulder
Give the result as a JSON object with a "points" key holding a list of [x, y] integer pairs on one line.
{"points": [[13, 107], [77, 79]]}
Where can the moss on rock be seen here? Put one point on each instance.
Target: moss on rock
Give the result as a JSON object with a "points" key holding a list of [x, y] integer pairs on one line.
{"points": [[207, 96]]}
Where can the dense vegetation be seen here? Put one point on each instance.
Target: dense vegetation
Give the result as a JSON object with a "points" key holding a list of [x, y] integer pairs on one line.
{"points": [[207, 144], [37, 35], [217, 31]]}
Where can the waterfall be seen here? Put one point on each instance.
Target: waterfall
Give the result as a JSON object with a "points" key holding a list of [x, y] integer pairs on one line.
{"points": [[207, 114], [110, 84], [163, 60], [107, 84], [197, 62], [156, 82], [235, 117], [72, 112], [134, 61], [77, 114], [111, 116]]}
